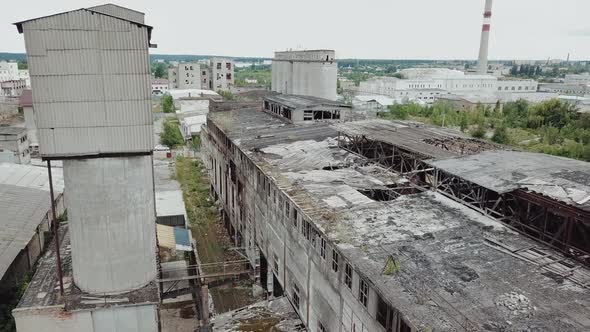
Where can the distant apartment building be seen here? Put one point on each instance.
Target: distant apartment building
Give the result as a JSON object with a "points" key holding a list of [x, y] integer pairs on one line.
{"points": [[159, 86], [583, 78], [221, 73], [186, 75], [14, 145], [8, 71], [12, 88], [306, 73]]}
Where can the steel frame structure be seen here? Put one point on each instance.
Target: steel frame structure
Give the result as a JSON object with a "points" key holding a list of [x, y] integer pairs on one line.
{"points": [[562, 227]]}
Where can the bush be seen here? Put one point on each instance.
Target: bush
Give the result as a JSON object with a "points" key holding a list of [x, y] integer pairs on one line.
{"points": [[478, 132], [500, 135]]}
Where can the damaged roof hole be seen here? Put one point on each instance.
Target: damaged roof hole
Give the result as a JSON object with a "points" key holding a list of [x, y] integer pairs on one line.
{"points": [[391, 192], [331, 167]]}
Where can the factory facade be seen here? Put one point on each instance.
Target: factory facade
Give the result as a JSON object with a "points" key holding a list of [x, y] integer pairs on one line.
{"points": [[307, 73], [388, 226], [92, 102]]}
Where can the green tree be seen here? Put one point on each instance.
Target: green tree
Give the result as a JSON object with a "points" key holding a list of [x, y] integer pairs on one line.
{"points": [[168, 104], [170, 135], [160, 70]]}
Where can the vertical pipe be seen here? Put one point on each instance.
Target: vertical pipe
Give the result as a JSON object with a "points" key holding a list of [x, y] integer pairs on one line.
{"points": [[482, 63], [55, 230]]}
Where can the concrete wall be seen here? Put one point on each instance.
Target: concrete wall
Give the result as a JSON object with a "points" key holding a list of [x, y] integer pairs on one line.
{"points": [[265, 219], [112, 222], [30, 124], [114, 319]]}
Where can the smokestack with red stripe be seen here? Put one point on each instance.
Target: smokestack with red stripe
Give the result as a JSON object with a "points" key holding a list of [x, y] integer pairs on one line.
{"points": [[482, 63]]}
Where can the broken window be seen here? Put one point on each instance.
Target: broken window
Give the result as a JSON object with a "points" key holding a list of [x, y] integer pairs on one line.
{"points": [[228, 65], [348, 276], [287, 209], [321, 327], [307, 115], [382, 309], [276, 263], [323, 248], [296, 297], [334, 260], [219, 65], [364, 292], [295, 218], [306, 230], [228, 76]]}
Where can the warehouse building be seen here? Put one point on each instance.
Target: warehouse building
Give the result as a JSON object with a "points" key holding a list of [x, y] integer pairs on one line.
{"points": [[391, 226], [25, 219], [14, 145]]}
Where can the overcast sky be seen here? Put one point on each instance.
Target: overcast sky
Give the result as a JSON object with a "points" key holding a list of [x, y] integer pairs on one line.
{"points": [[372, 29]]}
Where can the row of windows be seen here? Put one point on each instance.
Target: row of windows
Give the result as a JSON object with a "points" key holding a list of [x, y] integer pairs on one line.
{"points": [[293, 216], [526, 88]]}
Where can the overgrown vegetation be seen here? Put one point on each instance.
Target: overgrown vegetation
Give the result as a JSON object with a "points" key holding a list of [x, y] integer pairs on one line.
{"points": [[10, 298], [168, 104], [227, 95], [192, 175], [552, 127], [171, 135], [260, 73]]}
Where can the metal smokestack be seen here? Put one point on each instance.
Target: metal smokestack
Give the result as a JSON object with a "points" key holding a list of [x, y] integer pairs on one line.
{"points": [[482, 63]]}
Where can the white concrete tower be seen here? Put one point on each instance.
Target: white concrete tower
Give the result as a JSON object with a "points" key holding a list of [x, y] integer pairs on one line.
{"points": [[482, 62]]}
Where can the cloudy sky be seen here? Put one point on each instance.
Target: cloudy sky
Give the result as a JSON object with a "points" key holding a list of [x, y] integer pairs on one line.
{"points": [[372, 29]]}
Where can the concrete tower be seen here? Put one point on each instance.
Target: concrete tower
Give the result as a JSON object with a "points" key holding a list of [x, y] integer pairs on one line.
{"points": [[482, 63], [307, 73]]}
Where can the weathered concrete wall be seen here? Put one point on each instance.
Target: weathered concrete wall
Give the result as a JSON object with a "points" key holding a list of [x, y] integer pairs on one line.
{"points": [[223, 106], [267, 220], [112, 222], [115, 319]]}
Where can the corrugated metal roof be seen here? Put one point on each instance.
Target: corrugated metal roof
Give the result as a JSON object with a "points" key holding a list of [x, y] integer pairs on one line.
{"points": [[33, 177], [24, 203], [119, 11]]}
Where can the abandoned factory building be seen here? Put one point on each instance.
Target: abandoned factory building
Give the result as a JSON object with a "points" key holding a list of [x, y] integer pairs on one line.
{"points": [[305, 108], [392, 226]]}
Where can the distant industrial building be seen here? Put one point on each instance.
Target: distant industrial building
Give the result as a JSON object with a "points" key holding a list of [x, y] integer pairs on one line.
{"points": [[305, 108], [186, 75], [396, 226], [26, 103], [25, 220], [221, 73], [160, 86], [583, 78], [427, 84], [14, 145], [573, 89], [306, 73], [95, 115]]}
